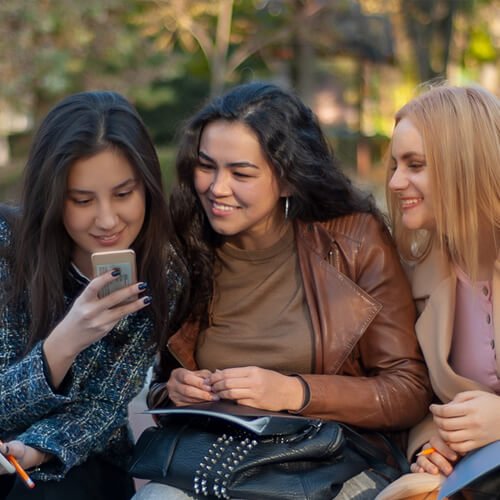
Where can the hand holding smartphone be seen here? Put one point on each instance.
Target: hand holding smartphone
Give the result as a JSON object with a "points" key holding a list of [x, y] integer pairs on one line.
{"points": [[124, 261]]}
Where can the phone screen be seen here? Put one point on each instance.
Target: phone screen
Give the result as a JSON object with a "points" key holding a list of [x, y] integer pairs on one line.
{"points": [[123, 260], [122, 281]]}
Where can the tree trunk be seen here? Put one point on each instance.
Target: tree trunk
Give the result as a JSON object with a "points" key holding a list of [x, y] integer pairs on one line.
{"points": [[302, 64], [218, 66]]}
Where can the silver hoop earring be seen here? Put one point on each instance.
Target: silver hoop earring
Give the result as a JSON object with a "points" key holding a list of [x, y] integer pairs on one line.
{"points": [[286, 207]]}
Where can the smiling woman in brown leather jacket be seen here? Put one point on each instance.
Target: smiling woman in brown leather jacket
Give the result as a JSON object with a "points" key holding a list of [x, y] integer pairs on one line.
{"points": [[295, 297]]}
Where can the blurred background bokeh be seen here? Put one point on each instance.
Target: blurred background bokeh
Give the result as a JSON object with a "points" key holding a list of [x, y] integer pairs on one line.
{"points": [[355, 62]]}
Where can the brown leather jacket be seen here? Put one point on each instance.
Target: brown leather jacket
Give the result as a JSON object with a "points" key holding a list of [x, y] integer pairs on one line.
{"points": [[368, 369]]}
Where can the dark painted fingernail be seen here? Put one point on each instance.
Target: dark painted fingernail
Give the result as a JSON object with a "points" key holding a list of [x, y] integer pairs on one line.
{"points": [[115, 272], [142, 286], [147, 300]]}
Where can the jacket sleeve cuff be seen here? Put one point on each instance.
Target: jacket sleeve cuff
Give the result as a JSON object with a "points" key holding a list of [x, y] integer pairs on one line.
{"points": [[158, 395]]}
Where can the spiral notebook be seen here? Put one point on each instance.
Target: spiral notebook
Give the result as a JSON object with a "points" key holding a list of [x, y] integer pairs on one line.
{"points": [[473, 466]]}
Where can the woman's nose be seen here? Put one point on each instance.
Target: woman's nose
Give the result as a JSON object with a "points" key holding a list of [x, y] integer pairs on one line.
{"points": [[106, 217], [398, 180], [220, 184]]}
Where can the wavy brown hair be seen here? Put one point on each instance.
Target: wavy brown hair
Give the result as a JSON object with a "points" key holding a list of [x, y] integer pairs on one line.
{"points": [[292, 141]]}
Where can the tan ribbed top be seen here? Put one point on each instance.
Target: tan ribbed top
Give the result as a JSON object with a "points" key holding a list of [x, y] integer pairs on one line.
{"points": [[259, 315]]}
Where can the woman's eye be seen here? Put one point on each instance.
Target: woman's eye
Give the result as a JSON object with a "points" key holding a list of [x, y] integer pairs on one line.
{"points": [[85, 201], [205, 166], [123, 194], [416, 165]]}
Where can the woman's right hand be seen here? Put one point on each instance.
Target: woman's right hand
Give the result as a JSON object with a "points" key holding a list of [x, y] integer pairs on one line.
{"points": [[27, 456], [89, 319], [439, 461], [186, 387]]}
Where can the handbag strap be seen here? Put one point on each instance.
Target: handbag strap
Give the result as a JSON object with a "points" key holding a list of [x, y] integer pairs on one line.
{"points": [[173, 447], [396, 454], [376, 457]]}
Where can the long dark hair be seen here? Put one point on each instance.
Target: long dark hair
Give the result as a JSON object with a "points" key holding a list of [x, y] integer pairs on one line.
{"points": [[81, 126], [292, 140]]}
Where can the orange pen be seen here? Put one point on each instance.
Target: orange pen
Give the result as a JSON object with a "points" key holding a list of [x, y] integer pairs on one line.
{"points": [[427, 451], [22, 473]]}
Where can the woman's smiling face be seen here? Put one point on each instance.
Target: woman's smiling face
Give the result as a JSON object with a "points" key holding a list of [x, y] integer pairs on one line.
{"points": [[411, 180], [105, 206], [237, 186]]}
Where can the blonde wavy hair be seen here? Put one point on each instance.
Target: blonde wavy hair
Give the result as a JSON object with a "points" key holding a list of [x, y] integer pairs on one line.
{"points": [[460, 129]]}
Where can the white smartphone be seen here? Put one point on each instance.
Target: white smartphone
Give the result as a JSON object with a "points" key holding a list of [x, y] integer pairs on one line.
{"points": [[6, 464], [124, 260]]}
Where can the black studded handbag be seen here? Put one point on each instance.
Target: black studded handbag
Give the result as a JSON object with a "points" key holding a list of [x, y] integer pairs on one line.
{"points": [[224, 450]]}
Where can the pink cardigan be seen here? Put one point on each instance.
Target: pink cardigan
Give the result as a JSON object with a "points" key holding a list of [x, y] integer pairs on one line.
{"points": [[434, 288]]}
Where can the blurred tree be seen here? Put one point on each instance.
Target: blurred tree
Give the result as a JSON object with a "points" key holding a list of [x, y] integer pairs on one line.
{"points": [[441, 33], [167, 55], [52, 47], [230, 32], [227, 31], [429, 25]]}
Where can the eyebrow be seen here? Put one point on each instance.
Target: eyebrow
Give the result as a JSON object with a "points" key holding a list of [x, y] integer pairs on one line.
{"points": [[410, 154], [126, 183], [204, 156]]}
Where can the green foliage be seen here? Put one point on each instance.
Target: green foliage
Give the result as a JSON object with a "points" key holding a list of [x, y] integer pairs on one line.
{"points": [[51, 48], [167, 162], [167, 56], [481, 47], [180, 97]]}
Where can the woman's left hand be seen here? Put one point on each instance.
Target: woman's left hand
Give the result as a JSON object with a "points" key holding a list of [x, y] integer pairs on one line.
{"points": [[258, 388], [469, 421], [27, 456]]}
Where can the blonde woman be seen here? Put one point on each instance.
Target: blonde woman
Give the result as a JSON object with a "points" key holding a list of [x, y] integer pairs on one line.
{"points": [[443, 197]]}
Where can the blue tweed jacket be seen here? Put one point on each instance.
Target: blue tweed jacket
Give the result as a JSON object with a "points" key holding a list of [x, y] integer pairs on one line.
{"points": [[88, 415]]}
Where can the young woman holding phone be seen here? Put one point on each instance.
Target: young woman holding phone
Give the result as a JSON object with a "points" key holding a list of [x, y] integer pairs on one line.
{"points": [[70, 361]]}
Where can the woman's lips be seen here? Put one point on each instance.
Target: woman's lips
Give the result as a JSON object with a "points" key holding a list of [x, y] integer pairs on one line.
{"points": [[108, 240], [407, 203]]}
